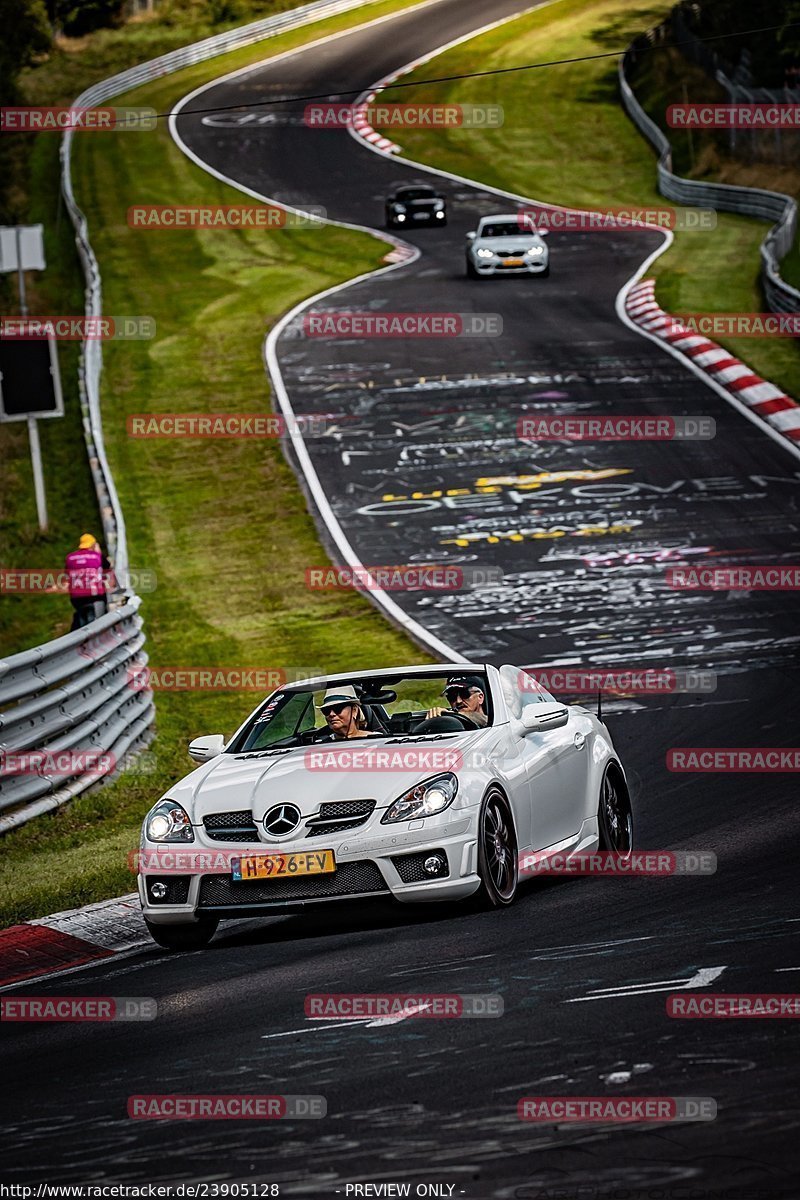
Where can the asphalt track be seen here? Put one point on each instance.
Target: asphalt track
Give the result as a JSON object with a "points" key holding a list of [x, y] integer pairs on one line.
{"points": [[435, 1101]]}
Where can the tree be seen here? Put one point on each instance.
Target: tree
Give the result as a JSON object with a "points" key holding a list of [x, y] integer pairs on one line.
{"points": [[26, 35], [76, 17]]}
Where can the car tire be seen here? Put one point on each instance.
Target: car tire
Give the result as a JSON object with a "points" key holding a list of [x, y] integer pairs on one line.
{"points": [[471, 272], [546, 272], [498, 855], [614, 813], [184, 937]]}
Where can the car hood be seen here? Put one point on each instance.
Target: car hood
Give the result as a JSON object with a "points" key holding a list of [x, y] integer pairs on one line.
{"points": [[424, 202], [322, 773], [517, 241]]}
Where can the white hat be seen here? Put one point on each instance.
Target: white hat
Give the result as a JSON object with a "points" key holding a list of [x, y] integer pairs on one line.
{"points": [[341, 694]]}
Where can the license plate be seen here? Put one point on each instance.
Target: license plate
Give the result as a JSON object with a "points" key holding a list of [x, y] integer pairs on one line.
{"points": [[423, 216], [513, 262], [276, 866]]}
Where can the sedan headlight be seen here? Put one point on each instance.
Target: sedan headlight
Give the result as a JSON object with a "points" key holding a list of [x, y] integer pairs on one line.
{"points": [[423, 800], [536, 251], [168, 822], [484, 253]]}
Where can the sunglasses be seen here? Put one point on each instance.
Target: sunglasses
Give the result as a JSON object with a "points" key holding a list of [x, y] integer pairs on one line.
{"points": [[459, 693], [337, 709]]}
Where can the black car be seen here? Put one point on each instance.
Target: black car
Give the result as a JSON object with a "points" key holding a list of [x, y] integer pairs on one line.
{"points": [[414, 205]]}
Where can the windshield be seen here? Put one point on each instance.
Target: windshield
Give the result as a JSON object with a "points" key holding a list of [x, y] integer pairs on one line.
{"points": [[505, 229], [416, 194], [392, 706]]}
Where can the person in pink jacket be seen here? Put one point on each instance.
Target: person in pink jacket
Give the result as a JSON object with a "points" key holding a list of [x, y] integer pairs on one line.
{"points": [[87, 590]]}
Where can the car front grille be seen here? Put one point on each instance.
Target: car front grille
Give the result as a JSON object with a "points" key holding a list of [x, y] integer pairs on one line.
{"points": [[349, 879], [231, 826], [336, 816]]}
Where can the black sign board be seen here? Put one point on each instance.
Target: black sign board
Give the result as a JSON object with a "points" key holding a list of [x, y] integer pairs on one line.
{"points": [[30, 385]]}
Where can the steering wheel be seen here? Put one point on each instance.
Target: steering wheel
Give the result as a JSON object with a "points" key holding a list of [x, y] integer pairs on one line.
{"points": [[465, 721]]}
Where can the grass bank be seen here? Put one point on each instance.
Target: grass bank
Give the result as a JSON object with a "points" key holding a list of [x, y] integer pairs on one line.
{"points": [[221, 523]]}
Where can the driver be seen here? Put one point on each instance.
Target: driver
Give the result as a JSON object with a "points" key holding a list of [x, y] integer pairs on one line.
{"points": [[343, 713], [465, 695]]}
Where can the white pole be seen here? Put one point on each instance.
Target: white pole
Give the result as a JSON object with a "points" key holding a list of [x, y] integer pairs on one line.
{"points": [[38, 474]]}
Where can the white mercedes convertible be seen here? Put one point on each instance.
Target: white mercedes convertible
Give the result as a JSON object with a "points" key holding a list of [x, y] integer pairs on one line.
{"points": [[412, 783]]}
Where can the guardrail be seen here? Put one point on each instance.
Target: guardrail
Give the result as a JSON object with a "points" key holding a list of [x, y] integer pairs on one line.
{"points": [[69, 701], [751, 202], [74, 695]]}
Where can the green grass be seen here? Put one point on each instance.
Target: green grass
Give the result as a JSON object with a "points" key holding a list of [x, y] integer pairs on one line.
{"points": [[222, 524], [567, 140]]}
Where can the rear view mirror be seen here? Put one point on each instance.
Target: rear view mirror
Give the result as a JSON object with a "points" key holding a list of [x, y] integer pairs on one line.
{"points": [[203, 749], [539, 718], [471, 237], [543, 232]]}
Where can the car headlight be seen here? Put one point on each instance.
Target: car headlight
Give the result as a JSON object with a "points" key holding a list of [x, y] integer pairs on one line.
{"points": [[399, 208], [484, 253], [423, 800], [168, 822], [536, 251], [440, 212]]}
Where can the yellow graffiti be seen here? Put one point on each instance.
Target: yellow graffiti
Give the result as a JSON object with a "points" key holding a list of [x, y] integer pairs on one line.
{"points": [[524, 535], [493, 484], [535, 481]]}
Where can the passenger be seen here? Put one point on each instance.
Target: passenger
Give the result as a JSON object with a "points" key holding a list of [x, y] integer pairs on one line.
{"points": [[343, 713]]}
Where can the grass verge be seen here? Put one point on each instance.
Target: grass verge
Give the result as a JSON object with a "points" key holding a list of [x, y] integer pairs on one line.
{"points": [[222, 524], [567, 140]]}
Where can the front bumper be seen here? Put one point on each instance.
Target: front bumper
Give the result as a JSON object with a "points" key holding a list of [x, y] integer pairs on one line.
{"points": [[488, 266], [366, 869]]}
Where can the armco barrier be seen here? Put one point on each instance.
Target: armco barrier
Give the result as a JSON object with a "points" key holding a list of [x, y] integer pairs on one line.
{"points": [[71, 694], [751, 202]]}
